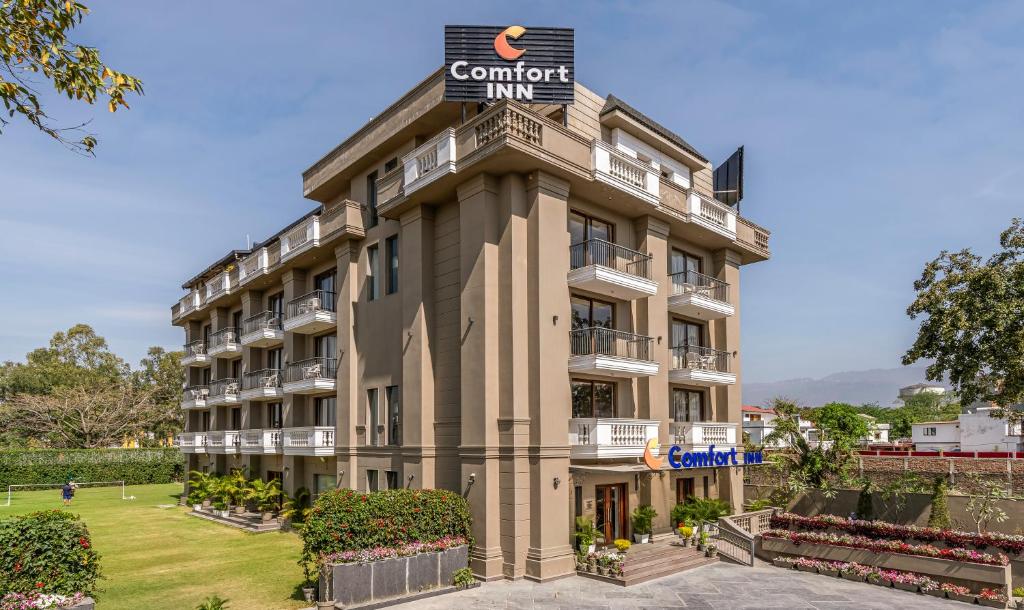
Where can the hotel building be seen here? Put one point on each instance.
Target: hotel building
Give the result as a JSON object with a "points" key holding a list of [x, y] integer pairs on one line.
{"points": [[506, 300]]}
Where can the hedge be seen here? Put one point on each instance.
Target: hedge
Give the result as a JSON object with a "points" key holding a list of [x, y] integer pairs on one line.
{"points": [[133, 466], [47, 552], [344, 520]]}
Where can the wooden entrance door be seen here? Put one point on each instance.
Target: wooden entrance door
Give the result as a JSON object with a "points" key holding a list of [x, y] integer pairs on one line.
{"points": [[611, 510]]}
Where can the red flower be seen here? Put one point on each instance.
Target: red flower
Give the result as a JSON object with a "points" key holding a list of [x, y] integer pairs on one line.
{"points": [[17, 567], [39, 585]]}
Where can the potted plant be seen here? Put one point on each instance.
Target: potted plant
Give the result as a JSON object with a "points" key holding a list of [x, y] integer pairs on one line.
{"points": [[264, 496], [622, 545], [220, 508], [591, 562], [957, 592], [876, 577], [685, 534], [852, 572], [200, 486], [930, 587], [586, 534], [829, 568], [782, 562], [234, 487], [710, 550], [993, 598], [602, 565], [643, 522], [294, 509], [581, 561], [309, 582]]}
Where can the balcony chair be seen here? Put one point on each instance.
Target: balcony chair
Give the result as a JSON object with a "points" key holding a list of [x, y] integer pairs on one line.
{"points": [[270, 381], [311, 372]]}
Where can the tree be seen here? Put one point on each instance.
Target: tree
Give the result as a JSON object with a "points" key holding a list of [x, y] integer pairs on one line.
{"points": [[79, 416], [938, 517], [973, 324], [34, 42], [77, 357], [895, 494], [161, 373], [840, 423], [865, 506], [984, 496]]}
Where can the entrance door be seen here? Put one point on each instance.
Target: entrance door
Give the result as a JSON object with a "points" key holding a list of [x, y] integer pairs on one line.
{"points": [[684, 489], [611, 511]]}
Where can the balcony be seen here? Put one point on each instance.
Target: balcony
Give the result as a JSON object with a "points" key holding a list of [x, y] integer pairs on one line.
{"points": [[311, 376], [263, 330], [604, 351], [311, 313], [192, 442], [225, 344], [430, 161], [223, 441], [701, 366], [625, 173], [223, 392], [195, 354], [261, 441], [256, 264], [305, 236], [609, 438], [219, 285], [711, 214], [194, 397], [699, 436], [262, 385], [310, 440], [188, 303], [699, 296], [610, 269]]}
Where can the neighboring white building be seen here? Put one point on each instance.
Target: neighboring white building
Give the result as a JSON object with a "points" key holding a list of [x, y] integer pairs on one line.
{"points": [[974, 430], [759, 422], [936, 435], [877, 433], [921, 388]]}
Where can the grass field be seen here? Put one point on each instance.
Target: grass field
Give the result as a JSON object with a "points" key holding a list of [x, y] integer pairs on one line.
{"points": [[155, 556]]}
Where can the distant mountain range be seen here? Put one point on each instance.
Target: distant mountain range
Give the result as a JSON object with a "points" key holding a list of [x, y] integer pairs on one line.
{"points": [[855, 387]]}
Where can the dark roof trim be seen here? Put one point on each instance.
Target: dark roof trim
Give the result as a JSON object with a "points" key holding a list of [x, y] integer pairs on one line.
{"points": [[613, 103]]}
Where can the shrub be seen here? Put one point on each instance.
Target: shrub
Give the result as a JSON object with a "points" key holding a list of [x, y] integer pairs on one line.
{"points": [[586, 533], [133, 466], [698, 511], [865, 508], [213, 603], [344, 520], [622, 545], [685, 531], [47, 552], [939, 515], [462, 578], [643, 519]]}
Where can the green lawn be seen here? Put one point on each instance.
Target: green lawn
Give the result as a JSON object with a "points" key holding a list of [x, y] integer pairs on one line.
{"points": [[155, 557]]}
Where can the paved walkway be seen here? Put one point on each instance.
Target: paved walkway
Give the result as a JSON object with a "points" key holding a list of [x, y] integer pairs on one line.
{"points": [[719, 585]]}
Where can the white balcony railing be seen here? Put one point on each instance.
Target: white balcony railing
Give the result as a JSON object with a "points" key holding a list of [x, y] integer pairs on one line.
{"points": [[711, 214], [221, 284], [613, 438], [254, 265], [430, 161], [192, 442], [309, 440], [613, 167], [304, 236], [223, 441], [189, 303], [698, 436]]}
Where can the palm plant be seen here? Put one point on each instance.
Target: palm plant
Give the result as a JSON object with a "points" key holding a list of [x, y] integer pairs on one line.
{"points": [[295, 509], [233, 488], [200, 487], [701, 511], [264, 495]]}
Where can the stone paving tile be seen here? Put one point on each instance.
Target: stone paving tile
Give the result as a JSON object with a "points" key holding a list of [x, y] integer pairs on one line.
{"points": [[717, 586]]}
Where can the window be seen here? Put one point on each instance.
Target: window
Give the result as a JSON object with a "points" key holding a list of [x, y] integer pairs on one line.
{"points": [[392, 479], [687, 334], [275, 415], [687, 405], [686, 262], [236, 369], [753, 418], [371, 481], [577, 493], [274, 359], [324, 482], [206, 335], [391, 394], [930, 431], [325, 411], [391, 251], [325, 282], [391, 164], [236, 419], [583, 227], [372, 403], [372, 273], [325, 346], [707, 488], [593, 398], [204, 422], [206, 376], [588, 312], [371, 199], [276, 304], [236, 322]]}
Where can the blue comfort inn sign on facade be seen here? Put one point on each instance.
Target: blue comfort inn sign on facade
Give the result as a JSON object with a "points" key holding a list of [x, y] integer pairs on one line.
{"points": [[679, 459]]}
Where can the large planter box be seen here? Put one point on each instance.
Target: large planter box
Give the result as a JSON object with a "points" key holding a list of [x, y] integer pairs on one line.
{"points": [[976, 575], [85, 604], [364, 583]]}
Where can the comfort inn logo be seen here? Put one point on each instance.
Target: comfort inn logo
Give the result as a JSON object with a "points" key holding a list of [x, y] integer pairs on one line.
{"points": [[501, 46], [712, 458]]}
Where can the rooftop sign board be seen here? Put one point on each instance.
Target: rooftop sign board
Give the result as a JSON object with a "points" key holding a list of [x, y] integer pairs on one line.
{"points": [[527, 64]]}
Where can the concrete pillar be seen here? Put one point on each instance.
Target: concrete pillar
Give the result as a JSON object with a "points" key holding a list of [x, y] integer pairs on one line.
{"points": [[653, 394], [294, 349], [550, 552], [349, 399], [725, 336], [252, 358], [416, 289], [479, 329]]}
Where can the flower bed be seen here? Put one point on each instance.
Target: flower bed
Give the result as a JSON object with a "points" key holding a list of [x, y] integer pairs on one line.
{"points": [[406, 550], [879, 529], [40, 601], [605, 564], [888, 546], [871, 574]]}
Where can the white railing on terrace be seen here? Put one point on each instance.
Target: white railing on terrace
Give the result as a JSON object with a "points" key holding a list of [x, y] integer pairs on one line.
{"points": [[509, 121], [612, 432], [305, 234], [253, 265], [614, 167], [735, 534], [711, 213], [219, 285], [223, 439], [429, 161], [686, 282], [702, 434], [309, 437]]}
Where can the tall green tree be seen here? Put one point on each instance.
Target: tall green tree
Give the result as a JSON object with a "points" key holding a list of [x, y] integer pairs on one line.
{"points": [[972, 323], [75, 357], [35, 47], [840, 423], [161, 374]]}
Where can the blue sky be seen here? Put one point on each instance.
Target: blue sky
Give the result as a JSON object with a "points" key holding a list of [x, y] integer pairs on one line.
{"points": [[876, 133]]}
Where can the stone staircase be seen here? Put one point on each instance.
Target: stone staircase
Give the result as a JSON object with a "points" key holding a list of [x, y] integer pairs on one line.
{"points": [[250, 522], [662, 557]]}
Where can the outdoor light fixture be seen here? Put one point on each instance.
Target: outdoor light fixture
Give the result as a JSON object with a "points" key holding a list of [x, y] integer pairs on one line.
{"points": [[472, 478], [554, 320], [557, 481]]}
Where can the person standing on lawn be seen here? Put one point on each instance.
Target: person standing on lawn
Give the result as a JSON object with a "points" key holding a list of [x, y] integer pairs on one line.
{"points": [[68, 492]]}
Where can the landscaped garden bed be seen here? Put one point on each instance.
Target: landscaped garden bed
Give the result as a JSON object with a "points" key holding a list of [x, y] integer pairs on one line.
{"points": [[394, 545], [906, 581]]}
